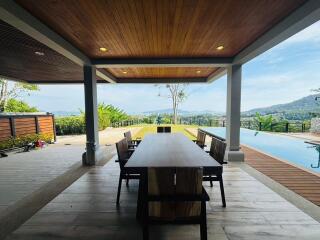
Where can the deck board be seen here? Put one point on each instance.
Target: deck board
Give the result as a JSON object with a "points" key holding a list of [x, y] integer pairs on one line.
{"points": [[297, 180]]}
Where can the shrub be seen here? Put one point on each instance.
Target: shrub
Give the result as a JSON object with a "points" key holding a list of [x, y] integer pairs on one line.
{"points": [[107, 114], [70, 125], [24, 140]]}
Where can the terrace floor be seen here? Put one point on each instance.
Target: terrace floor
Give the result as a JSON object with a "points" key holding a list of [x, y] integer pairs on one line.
{"points": [[87, 210], [29, 180]]}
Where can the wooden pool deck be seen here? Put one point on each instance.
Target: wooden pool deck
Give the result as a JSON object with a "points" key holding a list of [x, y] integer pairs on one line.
{"points": [[296, 179]]}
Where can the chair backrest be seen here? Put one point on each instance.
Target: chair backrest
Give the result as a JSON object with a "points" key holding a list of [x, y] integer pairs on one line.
{"points": [[201, 138], [188, 181], [161, 182], [128, 136], [218, 149], [122, 151], [160, 129], [163, 129], [169, 181], [167, 129]]}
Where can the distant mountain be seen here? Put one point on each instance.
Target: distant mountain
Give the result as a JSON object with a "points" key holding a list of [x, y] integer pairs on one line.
{"points": [[303, 105], [182, 112]]}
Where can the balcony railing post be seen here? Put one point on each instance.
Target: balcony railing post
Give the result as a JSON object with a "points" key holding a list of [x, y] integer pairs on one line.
{"points": [[287, 127]]}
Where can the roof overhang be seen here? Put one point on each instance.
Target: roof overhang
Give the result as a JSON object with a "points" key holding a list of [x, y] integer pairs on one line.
{"points": [[187, 56]]}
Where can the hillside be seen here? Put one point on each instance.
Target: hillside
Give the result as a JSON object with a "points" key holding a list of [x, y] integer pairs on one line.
{"points": [[305, 105]]}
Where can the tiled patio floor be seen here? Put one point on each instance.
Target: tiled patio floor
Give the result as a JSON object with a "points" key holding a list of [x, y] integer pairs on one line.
{"points": [[23, 173], [87, 210]]}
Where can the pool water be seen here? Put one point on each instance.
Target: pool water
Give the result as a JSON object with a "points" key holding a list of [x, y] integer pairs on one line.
{"points": [[292, 149]]}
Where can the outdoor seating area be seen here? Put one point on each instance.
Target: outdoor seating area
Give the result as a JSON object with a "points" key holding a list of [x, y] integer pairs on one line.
{"points": [[175, 188], [170, 170], [87, 209]]}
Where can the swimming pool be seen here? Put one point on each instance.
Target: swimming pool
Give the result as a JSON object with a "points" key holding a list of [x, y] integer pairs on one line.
{"points": [[292, 149]]}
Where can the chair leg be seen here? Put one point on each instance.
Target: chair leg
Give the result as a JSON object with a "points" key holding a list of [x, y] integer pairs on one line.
{"points": [[211, 184], [145, 232], [222, 191], [203, 224], [127, 183], [119, 189]]}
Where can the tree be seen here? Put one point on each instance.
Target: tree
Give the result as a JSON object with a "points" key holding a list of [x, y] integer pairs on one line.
{"points": [[12, 91], [177, 94], [266, 121], [14, 105], [108, 114]]}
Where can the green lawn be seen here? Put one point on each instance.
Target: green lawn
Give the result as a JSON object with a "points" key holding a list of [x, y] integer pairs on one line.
{"points": [[152, 128]]}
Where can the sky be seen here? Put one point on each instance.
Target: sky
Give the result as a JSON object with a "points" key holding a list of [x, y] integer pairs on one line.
{"points": [[285, 73]]}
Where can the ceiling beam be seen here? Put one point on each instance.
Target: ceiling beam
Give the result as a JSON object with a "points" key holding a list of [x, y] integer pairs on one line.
{"points": [[220, 72], [16, 16], [105, 75], [161, 80], [304, 16], [161, 62], [55, 82]]}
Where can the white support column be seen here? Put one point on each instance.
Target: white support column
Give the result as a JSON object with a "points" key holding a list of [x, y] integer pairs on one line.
{"points": [[91, 115], [233, 152]]}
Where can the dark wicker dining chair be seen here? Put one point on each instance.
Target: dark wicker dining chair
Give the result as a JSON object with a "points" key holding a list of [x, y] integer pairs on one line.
{"points": [[160, 129], [217, 151], [167, 129], [123, 157], [131, 143], [180, 203], [163, 129], [201, 139]]}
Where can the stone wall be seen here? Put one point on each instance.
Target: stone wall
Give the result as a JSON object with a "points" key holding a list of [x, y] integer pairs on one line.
{"points": [[315, 125]]}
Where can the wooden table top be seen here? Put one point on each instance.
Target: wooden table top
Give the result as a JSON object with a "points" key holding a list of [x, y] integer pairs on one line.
{"points": [[170, 150]]}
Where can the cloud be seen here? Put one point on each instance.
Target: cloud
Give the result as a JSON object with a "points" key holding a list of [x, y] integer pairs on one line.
{"points": [[270, 89]]}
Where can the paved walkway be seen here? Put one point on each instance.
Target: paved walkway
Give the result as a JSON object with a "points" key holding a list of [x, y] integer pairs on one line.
{"points": [[306, 136], [107, 136], [87, 210]]}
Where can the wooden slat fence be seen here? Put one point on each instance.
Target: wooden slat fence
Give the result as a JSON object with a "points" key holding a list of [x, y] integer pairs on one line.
{"points": [[21, 125]]}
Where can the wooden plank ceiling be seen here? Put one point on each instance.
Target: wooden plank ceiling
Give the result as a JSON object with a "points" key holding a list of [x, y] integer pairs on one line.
{"points": [[149, 29], [23, 58], [156, 72]]}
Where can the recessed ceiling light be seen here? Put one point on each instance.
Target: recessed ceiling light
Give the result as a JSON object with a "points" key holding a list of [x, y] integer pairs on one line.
{"points": [[219, 48], [198, 71], [103, 49], [39, 53], [125, 72]]}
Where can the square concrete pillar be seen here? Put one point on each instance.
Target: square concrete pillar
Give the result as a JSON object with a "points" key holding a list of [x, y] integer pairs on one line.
{"points": [[91, 116], [233, 152]]}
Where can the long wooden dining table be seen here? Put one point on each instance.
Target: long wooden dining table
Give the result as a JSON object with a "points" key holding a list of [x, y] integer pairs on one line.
{"points": [[169, 150]]}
